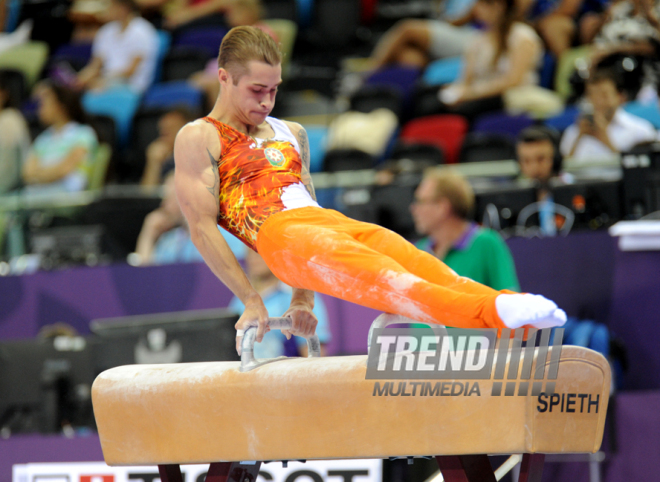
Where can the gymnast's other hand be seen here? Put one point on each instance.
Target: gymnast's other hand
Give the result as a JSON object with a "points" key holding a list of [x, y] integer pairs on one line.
{"points": [[303, 320], [255, 314]]}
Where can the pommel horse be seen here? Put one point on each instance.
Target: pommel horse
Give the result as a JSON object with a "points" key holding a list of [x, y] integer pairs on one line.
{"points": [[234, 415]]}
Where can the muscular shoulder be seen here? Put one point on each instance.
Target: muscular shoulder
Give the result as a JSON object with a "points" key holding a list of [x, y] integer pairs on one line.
{"points": [[199, 135], [195, 138]]}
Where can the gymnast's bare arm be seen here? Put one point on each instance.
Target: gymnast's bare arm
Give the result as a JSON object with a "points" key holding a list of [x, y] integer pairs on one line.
{"points": [[302, 301], [196, 152]]}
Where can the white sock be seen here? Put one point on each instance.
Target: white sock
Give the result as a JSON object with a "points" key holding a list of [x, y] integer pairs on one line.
{"points": [[517, 310]]}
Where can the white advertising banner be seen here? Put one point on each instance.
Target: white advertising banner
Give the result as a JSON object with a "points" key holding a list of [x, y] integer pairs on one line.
{"points": [[313, 471]]}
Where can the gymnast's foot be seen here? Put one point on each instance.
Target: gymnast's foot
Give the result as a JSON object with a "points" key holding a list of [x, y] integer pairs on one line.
{"points": [[517, 310]]}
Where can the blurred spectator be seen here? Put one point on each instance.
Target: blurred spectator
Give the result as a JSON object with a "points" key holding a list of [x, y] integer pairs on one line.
{"points": [[164, 237], [59, 155], [504, 56], [416, 42], [604, 128], [124, 51], [14, 138], [629, 28], [626, 22], [247, 12], [442, 210], [160, 153], [277, 299], [538, 155], [557, 21], [238, 13], [195, 13], [540, 160]]}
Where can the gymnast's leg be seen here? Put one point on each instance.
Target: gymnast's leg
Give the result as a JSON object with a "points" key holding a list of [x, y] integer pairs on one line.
{"points": [[324, 251], [515, 310]]}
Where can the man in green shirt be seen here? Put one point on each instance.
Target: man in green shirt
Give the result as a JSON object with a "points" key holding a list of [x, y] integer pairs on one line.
{"points": [[443, 204]]}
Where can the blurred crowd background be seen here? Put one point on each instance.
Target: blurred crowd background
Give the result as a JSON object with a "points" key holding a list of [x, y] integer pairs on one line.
{"points": [[532, 101]]}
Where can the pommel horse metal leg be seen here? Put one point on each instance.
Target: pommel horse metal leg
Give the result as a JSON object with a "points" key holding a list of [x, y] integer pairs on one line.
{"points": [[477, 468], [218, 472], [170, 473], [465, 468], [531, 468]]}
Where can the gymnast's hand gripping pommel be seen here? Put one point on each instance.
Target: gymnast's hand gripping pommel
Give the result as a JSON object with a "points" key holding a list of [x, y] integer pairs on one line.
{"points": [[248, 337]]}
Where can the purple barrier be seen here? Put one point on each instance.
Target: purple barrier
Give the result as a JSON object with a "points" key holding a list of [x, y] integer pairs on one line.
{"points": [[636, 444], [77, 296], [636, 418], [574, 271], [635, 315], [23, 449]]}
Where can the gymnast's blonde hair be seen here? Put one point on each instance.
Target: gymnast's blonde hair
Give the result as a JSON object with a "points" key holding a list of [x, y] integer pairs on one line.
{"points": [[243, 44], [451, 185]]}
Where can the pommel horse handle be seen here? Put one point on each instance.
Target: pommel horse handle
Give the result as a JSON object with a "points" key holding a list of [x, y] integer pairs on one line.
{"points": [[386, 319], [249, 362]]}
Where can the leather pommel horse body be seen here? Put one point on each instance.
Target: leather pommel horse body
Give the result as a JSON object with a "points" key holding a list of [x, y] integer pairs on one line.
{"points": [[325, 408]]}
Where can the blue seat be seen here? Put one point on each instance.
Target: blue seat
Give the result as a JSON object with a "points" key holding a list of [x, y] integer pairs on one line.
{"points": [[13, 15], [164, 42], [649, 112], [563, 120], [547, 71], [404, 79], [305, 10], [443, 71], [207, 39], [120, 103], [172, 94]]}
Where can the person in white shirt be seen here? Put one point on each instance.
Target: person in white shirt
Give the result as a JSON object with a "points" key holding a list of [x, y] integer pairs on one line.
{"points": [[124, 51], [505, 55], [609, 129]]}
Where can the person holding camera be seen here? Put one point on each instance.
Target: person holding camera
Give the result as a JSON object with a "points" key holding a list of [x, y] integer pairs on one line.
{"points": [[604, 128]]}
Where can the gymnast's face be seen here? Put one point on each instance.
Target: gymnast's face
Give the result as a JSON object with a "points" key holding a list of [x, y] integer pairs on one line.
{"points": [[251, 91]]}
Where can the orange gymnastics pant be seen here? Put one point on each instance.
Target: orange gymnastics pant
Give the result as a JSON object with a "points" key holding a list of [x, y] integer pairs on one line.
{"points": [[324, 251]]}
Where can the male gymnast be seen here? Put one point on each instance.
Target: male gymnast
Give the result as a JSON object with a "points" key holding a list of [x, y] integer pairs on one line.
{"points": [[249, 172]]}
